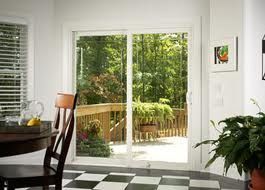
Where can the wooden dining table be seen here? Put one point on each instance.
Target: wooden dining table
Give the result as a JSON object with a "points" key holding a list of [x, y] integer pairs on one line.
{"points": [[21, 142]]}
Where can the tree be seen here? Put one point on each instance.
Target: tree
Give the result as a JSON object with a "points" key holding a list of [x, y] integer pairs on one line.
{"points": [[159, 68]]}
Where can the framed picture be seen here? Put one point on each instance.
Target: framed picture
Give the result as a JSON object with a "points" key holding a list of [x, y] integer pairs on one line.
{"points": [[224, 55]]}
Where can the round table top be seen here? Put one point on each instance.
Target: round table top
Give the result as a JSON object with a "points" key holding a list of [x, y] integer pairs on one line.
{"points": [[19, 137], [12, 143]]}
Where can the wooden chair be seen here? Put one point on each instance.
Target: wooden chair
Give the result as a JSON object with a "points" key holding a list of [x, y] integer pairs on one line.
{"points": [[15, 176]]}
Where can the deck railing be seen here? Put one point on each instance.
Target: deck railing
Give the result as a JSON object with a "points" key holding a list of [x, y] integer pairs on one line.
{"points": [[113, 119]]}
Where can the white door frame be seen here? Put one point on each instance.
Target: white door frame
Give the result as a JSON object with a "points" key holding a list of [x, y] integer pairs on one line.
{"points": [[194, 59]]}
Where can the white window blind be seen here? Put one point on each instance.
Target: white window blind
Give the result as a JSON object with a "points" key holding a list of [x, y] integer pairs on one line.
{"points": [[13, 68]]}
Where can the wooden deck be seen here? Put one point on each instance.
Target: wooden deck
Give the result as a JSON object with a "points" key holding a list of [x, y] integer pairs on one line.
{"points": [[113, 119]]}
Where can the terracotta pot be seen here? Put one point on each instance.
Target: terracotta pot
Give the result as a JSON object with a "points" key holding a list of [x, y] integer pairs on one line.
{"points": [[257, 180], [145, 128]]}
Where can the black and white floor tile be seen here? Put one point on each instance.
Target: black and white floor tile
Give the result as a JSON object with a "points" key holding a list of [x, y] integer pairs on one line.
{"points": [[81, 180]]}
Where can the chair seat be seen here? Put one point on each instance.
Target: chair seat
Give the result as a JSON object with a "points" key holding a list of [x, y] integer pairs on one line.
{"points": [[24, 171], [29, 174]]}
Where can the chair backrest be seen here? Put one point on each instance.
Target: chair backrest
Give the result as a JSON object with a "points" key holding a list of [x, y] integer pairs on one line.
{"points": [[64, 121]]}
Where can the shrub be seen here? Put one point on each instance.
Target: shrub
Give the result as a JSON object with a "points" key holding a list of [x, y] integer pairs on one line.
{"points": [[90, 142], [95, 147], [151, 113]]}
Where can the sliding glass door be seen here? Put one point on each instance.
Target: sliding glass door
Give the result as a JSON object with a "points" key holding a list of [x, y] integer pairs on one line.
{"points": [[132, 90]]}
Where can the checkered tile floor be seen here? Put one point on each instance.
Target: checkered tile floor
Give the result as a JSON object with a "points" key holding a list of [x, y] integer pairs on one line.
{"points": [[80, 180]]}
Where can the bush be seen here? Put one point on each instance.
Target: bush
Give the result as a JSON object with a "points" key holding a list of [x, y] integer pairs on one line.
{"points": [[151, 113], [95, 147], [90, 142]]}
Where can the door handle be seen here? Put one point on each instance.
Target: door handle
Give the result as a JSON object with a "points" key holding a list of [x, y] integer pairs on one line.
{"points": [[189, 97]]}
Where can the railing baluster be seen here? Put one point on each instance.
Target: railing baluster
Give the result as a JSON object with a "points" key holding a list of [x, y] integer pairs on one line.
{"points": [[108, 121], [124, 126], [113, 127], [119, 125]]}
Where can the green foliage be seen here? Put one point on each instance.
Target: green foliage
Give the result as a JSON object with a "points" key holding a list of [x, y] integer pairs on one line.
{"points": [[90, 143], [164, 101], [95, 147], [242, 142], [159, 67], [93, 129], [151, 113], [101, 72], [104, 88]]}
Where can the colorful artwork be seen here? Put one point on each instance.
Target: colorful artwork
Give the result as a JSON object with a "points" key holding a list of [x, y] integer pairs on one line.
{"points": [[221, 55]]}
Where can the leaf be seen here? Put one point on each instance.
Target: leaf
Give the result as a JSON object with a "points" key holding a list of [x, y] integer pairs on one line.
{"points": [[255, 103], [212, 123], [204, 142], [211, 161], [240, 169]]}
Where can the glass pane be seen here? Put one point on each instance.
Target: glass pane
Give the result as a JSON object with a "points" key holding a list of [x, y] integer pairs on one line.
{"points": [[101, 85], [160, 78]]}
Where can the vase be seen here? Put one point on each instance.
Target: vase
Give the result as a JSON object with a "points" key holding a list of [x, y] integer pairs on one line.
{"points": [[257, 180], [30, 109]]}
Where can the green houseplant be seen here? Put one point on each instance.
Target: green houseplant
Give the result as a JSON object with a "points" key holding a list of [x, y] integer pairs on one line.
{"points": [[242, 143], [148, 115]]}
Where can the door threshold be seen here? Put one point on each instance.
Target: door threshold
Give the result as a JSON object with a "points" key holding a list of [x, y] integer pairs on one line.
{"points": [[97, 161]]}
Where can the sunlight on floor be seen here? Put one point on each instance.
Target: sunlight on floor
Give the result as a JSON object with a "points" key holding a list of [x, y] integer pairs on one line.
{"points": [[168, 149]]}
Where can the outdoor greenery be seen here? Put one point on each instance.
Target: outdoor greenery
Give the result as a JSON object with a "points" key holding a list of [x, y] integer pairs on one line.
{"points": [[101, 63], [89, 141], [151, 113], [159, 68], [95, 148], [159, 79], [242, 142]]}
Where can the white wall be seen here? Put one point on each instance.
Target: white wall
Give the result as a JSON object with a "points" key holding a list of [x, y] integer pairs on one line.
{"points": [[226, 20], [129, 11], [254, 32], [46, 83]]}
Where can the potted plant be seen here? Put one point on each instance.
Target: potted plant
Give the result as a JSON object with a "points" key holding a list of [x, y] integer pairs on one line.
{"points": [[242, 143], [90, 142], [148, 115]]}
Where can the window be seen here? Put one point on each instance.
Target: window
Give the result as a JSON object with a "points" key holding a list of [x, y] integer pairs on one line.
{"points": [[13, 68]]}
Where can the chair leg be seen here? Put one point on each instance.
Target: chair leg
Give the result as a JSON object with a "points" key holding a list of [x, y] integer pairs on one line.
{"points": [[58, 186], [2, 184], [10, 188], [45, 187]]}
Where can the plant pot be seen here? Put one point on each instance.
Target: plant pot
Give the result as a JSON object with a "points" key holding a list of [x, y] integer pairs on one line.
{"points": [[257, 180], [148, 128]]}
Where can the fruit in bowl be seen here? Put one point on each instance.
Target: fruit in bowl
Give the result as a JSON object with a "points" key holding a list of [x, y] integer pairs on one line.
{"points": [[34, 122], [31, 113]]}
